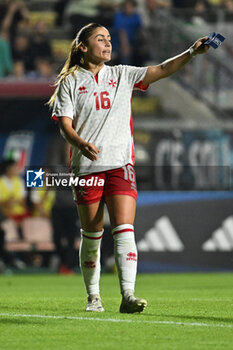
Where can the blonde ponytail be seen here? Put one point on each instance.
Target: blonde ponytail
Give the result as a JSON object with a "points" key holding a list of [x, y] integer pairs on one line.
{"points": [[71, 65]]}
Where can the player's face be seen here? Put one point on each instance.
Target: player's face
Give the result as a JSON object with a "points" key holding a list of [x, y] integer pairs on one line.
{"points": [[99, 47]]}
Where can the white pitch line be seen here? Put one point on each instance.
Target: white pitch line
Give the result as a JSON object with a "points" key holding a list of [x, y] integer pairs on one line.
{"points": [[117, 320]]}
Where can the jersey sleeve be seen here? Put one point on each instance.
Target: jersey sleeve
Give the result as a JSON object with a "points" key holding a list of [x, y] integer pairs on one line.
{"points": [[63, 105], [135, 76]]}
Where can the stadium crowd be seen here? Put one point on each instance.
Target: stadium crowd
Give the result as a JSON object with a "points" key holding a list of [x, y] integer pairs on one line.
{"points": [[26, 46]]}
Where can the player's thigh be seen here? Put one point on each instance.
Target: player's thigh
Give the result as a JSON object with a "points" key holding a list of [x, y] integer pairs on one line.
{"points": [[91, 216], [121, 209]]}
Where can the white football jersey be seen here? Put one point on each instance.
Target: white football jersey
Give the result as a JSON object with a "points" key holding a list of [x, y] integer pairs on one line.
{"points": [[101, 111]]}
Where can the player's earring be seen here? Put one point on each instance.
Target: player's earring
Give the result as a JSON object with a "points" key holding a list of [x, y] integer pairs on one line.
{"points": [[81, 60]]}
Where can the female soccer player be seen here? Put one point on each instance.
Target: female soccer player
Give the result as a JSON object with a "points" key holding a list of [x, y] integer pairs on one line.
{"points": [[93, 105]]}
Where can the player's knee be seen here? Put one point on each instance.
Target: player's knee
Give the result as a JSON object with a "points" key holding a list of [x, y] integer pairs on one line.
{"points": [[92, 227]]}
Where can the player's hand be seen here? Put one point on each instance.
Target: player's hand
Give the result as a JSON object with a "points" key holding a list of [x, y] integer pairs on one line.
{"points": [[89, 150], [199, 46]]}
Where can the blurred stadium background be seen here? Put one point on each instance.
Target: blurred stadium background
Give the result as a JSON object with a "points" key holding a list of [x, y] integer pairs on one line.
{"points": [[183, 133]]}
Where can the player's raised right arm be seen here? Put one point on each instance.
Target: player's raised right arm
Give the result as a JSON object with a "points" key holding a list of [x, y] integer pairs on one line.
{"points": [[172, 65], [88, 149]]}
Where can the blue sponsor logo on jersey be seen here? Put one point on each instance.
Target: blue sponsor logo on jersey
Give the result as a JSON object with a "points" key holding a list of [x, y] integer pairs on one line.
{"points": [[35, 178]]}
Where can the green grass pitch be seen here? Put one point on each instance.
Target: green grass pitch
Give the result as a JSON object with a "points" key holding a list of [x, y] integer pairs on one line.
{"points": [[185, 311]]}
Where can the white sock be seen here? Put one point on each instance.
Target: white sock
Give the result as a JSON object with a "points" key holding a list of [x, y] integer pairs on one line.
{"points": [[89, 258], [125, 252]]}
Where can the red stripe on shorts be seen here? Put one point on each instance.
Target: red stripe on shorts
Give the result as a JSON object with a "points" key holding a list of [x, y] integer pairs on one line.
{"points": [[92, 237], [124, 230]]}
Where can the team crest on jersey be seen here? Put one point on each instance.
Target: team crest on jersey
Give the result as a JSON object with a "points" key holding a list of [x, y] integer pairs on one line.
{"points": [[82, 90], [112, 83]]}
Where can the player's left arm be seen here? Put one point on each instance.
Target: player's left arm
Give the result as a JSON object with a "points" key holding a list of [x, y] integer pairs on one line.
{"points": [[172, 65]]}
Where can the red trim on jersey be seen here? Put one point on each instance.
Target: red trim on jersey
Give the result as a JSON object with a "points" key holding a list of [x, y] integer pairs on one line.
{"points": [[54, 118], [92, 237], [96, 78], [140, 86], [123, 230], [131, 129]]}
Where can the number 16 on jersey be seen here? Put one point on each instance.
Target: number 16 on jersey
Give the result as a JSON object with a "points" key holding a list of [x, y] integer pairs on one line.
{"points": [[102, 100]]}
